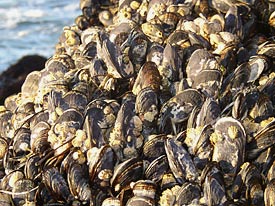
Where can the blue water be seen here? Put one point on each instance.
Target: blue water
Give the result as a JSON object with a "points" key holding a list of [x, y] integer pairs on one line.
{"points": [[32, 27]]}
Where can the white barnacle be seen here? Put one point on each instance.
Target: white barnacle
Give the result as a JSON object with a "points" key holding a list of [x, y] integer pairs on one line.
{"points": [[232, 132], [216, 137]]}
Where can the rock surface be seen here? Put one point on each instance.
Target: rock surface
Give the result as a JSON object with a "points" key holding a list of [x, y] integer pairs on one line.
{"points": [[12, 79]]}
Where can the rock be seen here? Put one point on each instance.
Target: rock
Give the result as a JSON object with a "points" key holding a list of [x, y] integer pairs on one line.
{"points": [[12, 79]]}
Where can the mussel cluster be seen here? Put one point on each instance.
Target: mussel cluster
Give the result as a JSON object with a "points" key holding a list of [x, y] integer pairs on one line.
{"points": [[162, 102]]}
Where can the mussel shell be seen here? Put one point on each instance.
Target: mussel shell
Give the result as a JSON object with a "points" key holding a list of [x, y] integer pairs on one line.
{"points": [[102, 159], [269, 193], [235, 81], [56, 183], [199, 60], [138, 49], [23, 185], [21, 141], [209, 81], [39, 137], [188, 193], [157, 168], [5, 199], [120, 33], [42, 116], [154, 147], [263, 108], [144, 188], [147, 106], [72, 117], [178, 37], [178, 109], [82, 22], [9, 180], [126, 172], [261, 141], [3, 147], [10, 103], [264, 162], [171, 63], [231, 137], [209, 113], [213, 184], [267, 50], [76, 100], [196, 39], [111, 201], [258, 64], [30, 86], [180, 161], [148, 76], [31, 169], [155, 53], [200, 146], [249, 182], [78, 182], [5, 124], [137, 201], [169, 21]]}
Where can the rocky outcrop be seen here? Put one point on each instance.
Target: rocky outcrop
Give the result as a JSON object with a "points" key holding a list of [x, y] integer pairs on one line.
{"points": [[12, 79]]}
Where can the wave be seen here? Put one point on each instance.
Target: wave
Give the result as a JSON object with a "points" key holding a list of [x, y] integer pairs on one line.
{"points": [[32, 27]]}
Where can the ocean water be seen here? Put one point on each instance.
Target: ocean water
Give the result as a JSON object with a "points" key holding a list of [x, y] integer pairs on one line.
{"points": [[32, 27]]}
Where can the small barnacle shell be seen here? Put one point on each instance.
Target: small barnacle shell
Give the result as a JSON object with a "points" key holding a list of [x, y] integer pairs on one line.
{"points": [[232, 132]]}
